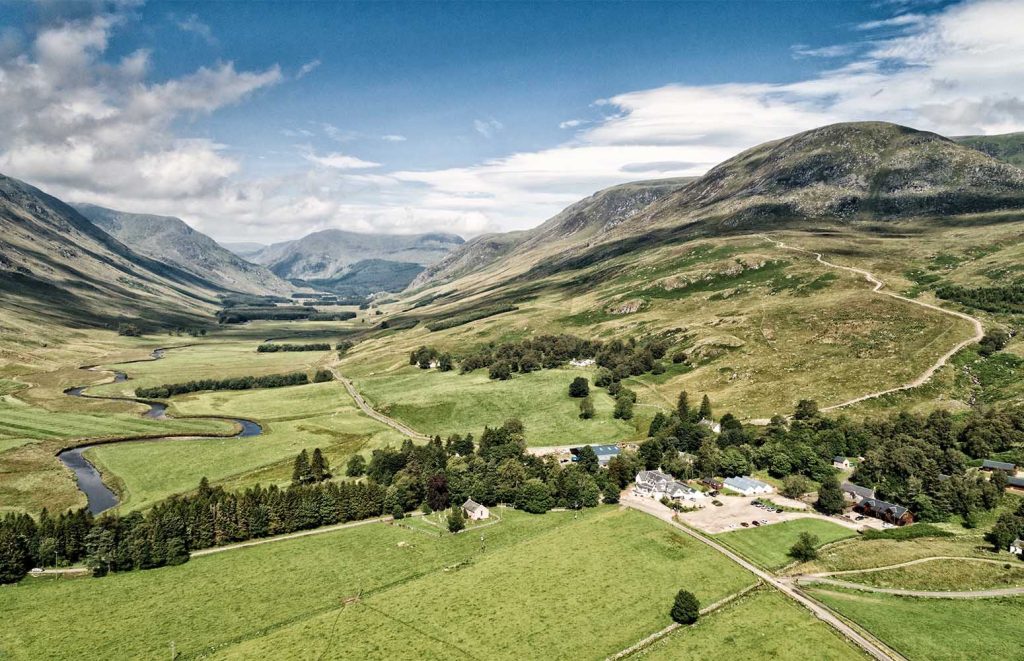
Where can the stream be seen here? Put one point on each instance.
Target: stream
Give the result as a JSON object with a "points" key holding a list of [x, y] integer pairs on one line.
{"points": [[100, 497]]}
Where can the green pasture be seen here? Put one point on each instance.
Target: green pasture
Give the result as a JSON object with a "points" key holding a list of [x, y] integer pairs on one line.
{"points": [[769, 545]]}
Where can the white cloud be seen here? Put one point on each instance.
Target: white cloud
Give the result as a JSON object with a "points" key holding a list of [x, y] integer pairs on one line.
{"points": [[901, 21], [192, 24], [487, 127], [307, 68], [339, 161], [571, 124], [393, 137]]}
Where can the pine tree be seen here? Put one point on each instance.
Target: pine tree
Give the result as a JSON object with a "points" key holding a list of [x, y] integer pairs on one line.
{"points": [[302, 473], [356, 466], [686, 608], [320, 469], [705, 409], [683, 406], [830, 496], [456, 520]]}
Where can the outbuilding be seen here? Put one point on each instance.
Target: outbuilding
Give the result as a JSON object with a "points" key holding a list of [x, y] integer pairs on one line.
{"points": [[604, 452], [992, 465], [842, 463], [1017, 546], [889, 512], [747, 486], [1015, 482], [475, 511], [856, 492]]}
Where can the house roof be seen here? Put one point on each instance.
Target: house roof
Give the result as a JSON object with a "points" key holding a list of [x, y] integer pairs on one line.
{"points": [[1015, 482], [744, 483], [998, 465], [882, 506], [599, 450], [857, 490], [837, 459], [659, 481], [472, 506]]}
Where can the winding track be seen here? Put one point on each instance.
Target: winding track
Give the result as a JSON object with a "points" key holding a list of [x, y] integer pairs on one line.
{"points": [[979, 330], [925, 594], [400, 427]]}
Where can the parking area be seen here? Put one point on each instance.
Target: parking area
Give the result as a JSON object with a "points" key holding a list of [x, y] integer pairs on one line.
{"points": [[737, 510]]}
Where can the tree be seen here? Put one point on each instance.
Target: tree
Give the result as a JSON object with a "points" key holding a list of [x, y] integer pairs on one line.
{"points": [[128, 330], [683, 406], [705, 409], [444, 363], [356, 466], [302, 473], [586, 459], [806, 409], [456, 520], [534, 497], [437, 491], [623, 408], [320, 470], [686, 608], [794, 486], [586, 408], [651, 453], [579, 387], [806, 548], [830, 496], [500, 371]]}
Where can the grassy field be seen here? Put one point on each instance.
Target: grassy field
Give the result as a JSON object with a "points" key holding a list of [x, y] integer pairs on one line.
{"points": [[542, 587], [946, 575], [769, 546], [935, 629], [316, 415], [761, 625], [443, 403], [870, 553]]}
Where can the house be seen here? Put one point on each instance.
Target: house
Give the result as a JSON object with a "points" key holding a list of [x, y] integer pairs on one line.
{"points": [[711, 424], [842, 463], [658, 485], [1015, 482], [474, 511], [604, 453], [888, 512], [992, 465], [1017, 546], [747, 486], [713, 483], [856, 492]]}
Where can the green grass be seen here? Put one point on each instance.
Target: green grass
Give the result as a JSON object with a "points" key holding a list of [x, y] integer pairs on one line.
{"points": [[434, 402], [935, 629], [761, 625], [317, 415], [769, 545], [544, 587], [953, 575]]}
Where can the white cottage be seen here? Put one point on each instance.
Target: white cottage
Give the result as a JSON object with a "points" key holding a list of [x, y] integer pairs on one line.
{"points": [[475, 511]]}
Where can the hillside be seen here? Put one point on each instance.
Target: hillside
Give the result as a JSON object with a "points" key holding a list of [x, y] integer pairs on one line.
{"points": [[245, 249], [56, 264], [1008, 147], [172, 241], [328, 258]]}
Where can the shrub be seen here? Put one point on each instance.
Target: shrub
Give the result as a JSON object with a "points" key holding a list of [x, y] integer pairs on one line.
{"points": [[686, 608], [579, 387], [806, 548]]}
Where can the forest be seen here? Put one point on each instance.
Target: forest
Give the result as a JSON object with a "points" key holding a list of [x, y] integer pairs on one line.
{"points": [[234, 383]]}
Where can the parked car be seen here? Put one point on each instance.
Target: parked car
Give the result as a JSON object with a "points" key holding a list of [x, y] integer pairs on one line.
{"points": [[744, 524], [860, 518], [765, 521], [755, 523]]}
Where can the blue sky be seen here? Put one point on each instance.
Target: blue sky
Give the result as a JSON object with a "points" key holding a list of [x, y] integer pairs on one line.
{"points": [[263, 121]]}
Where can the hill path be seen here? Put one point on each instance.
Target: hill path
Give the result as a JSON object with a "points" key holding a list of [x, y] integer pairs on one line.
{"points": [[979, 330], [873, 648], [400, 427], [908, 563], [926, 594]]}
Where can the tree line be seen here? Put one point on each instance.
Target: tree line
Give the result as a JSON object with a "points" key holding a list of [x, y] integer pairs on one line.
{"points": [[233, 383], [465, 318], [268, 347], [1002, 298]]}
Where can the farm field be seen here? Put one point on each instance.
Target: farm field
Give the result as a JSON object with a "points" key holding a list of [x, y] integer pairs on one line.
{"points": [[934, 629], [769, 546], [444, 403], [315, 415], [763, 624], [870, 553], [938, 575], [290, 596]]}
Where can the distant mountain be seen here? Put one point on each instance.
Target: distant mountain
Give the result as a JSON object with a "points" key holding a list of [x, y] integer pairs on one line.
{"points": [[245, 250], [383, 262], [172, 241], [583, 220], [57, 265], [1007, 147]]}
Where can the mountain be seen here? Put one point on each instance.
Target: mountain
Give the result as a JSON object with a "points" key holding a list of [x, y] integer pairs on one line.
{"points": [[582, 220], [1008, 147], [57, 265], [245, 250], [324, 259], [172, 241]]}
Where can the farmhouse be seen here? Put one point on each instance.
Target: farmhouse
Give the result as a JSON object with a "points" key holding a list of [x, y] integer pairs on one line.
{"points": [[1017, 546], [856, 492], [992, 465], [604, 453], [475, 511], [888, 512], [842, 463], [747, 486], [658, 485]]}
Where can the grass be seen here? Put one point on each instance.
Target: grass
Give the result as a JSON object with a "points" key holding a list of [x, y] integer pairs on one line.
{"points": [[868, 554], [936, 629], [761, 625], [769, 546], [444, 403], [941, 575], [542, 587], [317, 415]]}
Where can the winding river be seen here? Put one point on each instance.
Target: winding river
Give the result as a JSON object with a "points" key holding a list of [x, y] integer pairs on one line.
{"points": [[100, 497]]}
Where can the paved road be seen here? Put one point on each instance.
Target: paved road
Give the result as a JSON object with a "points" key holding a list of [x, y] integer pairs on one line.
{"points": [[872, 648], [979, 330], [927, 594], [373, 413]]}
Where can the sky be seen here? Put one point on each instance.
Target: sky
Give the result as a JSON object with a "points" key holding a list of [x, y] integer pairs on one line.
{"points": [[263, 121]]}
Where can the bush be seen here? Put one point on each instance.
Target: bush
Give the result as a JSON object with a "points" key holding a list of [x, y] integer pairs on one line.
{"points": [[323, 376], [128, 330], [686, 608], [579, 387], [806, 548], [456, 520]]}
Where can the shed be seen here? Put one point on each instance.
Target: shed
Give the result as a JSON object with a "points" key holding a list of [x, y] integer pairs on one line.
{"points": [[475, 511], [856, 491], [841, 463], [992, 465], [604, 452], [1015, 482], [747, 486]]}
